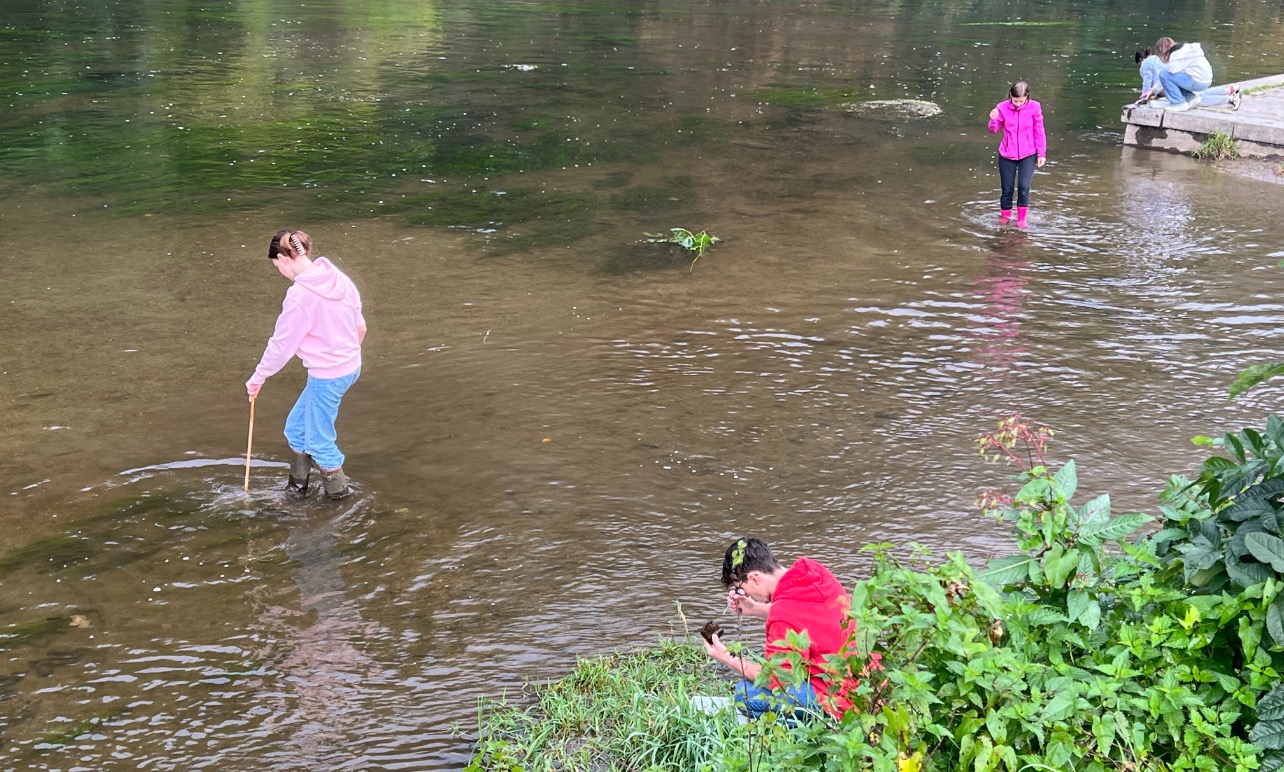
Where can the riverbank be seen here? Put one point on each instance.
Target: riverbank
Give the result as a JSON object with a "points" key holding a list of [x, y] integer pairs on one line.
{"points": [[1101, 645]]}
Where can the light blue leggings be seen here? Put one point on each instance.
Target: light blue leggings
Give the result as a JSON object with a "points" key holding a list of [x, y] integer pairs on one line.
{"points": [[310, 425]]}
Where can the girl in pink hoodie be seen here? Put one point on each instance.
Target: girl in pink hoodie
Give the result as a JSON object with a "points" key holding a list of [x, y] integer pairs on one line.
{"points": [[1024, 146], [321, 322]]}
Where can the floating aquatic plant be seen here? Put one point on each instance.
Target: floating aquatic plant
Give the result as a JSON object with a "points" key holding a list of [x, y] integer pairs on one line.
{"points": [[696, 243]]}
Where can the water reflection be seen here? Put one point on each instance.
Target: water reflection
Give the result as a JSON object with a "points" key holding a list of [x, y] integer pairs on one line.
{"points": [[1002, 294], [327, 680]]}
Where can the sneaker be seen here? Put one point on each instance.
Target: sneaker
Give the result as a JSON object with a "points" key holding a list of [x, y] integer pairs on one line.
{"points": [[1195, 100], [1236, 100], [1180, 107]]}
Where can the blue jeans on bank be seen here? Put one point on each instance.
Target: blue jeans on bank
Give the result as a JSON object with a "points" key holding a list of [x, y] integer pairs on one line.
{"points": [[310, 425], [756, 700], [1016, 174], [1180, 87]]}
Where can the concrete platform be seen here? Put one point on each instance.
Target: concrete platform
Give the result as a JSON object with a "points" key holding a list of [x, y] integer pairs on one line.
{"points": [[1257, 127]]}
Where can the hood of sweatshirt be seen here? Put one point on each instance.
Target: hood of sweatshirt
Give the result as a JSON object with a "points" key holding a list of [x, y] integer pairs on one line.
{"points": [[324, 279], [807, 582]]}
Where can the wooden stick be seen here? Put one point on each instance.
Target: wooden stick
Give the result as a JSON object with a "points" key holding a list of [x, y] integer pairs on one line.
{"points": [[249, 443]]}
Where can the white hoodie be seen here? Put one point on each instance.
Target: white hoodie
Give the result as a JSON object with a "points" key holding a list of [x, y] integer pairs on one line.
{"points": [[1189, 58]]}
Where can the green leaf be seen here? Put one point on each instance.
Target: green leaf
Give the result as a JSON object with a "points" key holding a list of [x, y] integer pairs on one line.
{"points": [[1010, 570], [1271, 762], [1275, 621], [1103, 728], [1266, 548], [1237, 546], [1061, 568], [1077, 603], [1067, 480], [1034, 490], [1233, 446], [1268, 734], [1248, 574], [1246, 509], [1252, 376], [1271, 707], [1112, 529], [1042, 616], [1095, 511], [1058, 708], [991, 602], [1275, 429], [1091, 616]]}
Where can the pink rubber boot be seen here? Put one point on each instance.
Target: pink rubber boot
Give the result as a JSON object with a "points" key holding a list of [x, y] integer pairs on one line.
{"points": [[1021, 210], [1004, 216]]}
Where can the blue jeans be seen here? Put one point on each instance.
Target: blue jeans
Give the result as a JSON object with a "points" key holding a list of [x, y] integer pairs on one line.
{"points": [[310, 425], [1179, 87], [1015, 174], [756, 700]]}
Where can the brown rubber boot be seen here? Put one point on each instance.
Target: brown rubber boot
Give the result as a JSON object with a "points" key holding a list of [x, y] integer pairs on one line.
{"points": [[300, 472], [336, 483]]}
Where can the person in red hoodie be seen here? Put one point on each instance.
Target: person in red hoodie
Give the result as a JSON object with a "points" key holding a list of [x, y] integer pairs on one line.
{"points": [[1024, 146], [802, 598]]}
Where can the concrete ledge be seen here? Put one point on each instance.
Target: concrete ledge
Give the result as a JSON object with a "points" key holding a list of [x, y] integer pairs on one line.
{"points": [[1268, 132], [1257, 127], [1143, 116]]}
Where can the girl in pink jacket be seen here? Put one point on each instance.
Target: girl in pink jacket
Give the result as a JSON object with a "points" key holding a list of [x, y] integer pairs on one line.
{"points": [[321, 322], [1024, 146]]}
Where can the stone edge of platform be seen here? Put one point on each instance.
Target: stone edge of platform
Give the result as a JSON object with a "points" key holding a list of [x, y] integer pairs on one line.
{"points": [[1265, 134]]}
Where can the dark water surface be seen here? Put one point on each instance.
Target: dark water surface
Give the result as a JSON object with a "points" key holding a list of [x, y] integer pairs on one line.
{"points": [[557, 428]]}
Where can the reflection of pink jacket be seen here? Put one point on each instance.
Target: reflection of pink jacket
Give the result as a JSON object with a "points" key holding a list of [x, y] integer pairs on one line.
{"points": [[1022, 130], [320, 321]]}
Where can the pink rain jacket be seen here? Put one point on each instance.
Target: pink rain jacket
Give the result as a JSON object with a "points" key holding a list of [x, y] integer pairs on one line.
{"points": [[320, 321], [1022, 130]]}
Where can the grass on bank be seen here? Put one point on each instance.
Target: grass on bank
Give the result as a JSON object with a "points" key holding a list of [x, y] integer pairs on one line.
{"points": [[1218, 147], [623, 711]]}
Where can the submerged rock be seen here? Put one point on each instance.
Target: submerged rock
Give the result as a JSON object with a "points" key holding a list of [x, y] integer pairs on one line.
{"points": [[893, 109]]}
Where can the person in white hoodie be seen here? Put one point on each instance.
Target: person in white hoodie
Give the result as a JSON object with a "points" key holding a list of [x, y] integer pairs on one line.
{"points": [[1186, 73]]}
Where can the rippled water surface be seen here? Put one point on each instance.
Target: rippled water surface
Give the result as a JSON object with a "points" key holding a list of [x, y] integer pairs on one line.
{"points": [[558, 426]]}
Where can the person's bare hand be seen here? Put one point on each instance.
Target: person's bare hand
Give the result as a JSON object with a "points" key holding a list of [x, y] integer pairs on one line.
{"points": [[994, 113], [252, 389], [715, 648], [1042, 160], [741, 603]]}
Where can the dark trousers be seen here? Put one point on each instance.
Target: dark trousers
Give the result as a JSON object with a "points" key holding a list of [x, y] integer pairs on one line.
{"points": [[1016, 174]]}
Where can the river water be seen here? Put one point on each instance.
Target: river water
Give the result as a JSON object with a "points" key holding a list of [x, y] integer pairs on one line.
{"points": [[557, 428]]}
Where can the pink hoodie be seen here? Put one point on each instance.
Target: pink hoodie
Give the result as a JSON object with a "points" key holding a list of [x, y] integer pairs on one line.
{"points": [[1022, 130], [320, 321]]}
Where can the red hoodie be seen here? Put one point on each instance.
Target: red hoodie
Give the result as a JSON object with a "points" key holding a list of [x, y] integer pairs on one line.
{"points": [[808, 597]]}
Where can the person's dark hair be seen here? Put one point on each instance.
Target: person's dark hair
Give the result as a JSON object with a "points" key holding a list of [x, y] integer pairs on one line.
{"points": [[280, 244], [1141, 55], [1019, 89], [748, 553]]}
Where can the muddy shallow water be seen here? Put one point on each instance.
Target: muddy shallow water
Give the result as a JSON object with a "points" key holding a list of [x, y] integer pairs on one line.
{"points": [[557, 428]]}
